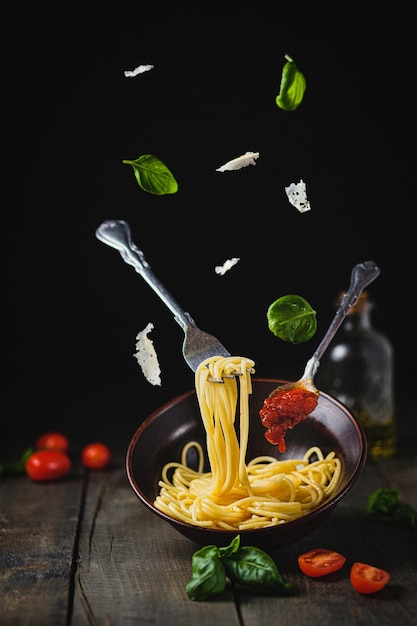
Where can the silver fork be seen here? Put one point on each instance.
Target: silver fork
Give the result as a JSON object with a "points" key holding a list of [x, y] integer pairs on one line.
{"points": [[198, 345]]}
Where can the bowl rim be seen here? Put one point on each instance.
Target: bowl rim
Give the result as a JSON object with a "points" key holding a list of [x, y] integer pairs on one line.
{"points": [[326, 507]]}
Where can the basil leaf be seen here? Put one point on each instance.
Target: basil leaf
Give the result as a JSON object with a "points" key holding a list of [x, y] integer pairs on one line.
{"points": [[292, 319], [292, 88], [383, 500], [153, 175], [404, 516], [17, 467], [208, 574], [252, 566], [231, 548]]}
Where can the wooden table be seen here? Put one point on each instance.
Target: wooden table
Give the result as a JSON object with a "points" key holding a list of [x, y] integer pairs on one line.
{"points": [[85, 551]]}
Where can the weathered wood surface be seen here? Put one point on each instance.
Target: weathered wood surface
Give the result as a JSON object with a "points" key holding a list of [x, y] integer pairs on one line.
{"points": [[38, 532], [132, 569], [84, 551], [332, 600]]}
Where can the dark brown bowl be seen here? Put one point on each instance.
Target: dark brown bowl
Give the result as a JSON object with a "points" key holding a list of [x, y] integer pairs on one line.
{"points": [[161, 437]]}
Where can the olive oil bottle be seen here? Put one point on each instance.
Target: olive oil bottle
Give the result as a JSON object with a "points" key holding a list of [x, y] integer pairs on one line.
{"points": [[357, 369]]}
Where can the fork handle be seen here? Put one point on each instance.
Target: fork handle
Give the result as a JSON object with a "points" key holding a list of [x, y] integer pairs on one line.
{"points": [[116, 234]]}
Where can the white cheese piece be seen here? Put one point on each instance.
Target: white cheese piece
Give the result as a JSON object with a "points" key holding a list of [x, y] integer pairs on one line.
{"points": [[297, 195], [138, 70], [146, 356], [222, 269], [243, 161]]}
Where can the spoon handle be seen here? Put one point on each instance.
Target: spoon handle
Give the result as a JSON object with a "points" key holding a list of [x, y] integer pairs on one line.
{"points": [[362, 274]]}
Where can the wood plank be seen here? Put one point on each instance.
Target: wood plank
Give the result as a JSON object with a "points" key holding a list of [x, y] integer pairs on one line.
{"points": [[132, 567], [332, 599], [38, 527], [126, 566]]}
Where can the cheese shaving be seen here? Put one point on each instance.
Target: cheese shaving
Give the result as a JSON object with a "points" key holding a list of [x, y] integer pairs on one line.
{"points": [[243, 161], [138, 70], [146, 356], [297, 196], [222, 269]]}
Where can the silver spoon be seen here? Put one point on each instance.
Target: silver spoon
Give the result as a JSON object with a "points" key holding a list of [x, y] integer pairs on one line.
{"points": [[282, 409], [362, 275]]}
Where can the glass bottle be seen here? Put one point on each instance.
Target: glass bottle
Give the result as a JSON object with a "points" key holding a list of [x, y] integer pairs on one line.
{"points": [[357, 369]]}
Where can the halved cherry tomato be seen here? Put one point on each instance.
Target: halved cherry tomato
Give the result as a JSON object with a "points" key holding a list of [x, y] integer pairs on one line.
{"points": [[367, 578], [46, 465], [320, 561], [96, 455], [52, 441]]}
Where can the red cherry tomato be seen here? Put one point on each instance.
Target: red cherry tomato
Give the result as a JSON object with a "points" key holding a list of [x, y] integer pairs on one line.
{"points": [[96, 455], [368, 579], [52, 441], [46, 465], [320, 561]]}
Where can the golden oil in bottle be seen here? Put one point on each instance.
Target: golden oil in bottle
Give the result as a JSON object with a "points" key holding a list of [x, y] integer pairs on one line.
{"points": [[357, 369]]}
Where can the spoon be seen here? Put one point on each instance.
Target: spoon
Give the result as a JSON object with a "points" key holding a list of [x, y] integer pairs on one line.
{"points": [[289, 404]]}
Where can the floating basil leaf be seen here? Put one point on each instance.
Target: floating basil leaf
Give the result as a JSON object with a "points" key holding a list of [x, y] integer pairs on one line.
{"points": [[292, 88], [153, 175], [251, 566], [292, 319], [209, 575]]}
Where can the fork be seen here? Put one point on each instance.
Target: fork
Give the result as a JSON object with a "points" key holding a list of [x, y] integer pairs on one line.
{"points": [[197, 345]]}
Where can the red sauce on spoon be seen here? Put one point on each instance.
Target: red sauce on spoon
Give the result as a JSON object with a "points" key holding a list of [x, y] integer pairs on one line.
{"points": [[285, 408]]}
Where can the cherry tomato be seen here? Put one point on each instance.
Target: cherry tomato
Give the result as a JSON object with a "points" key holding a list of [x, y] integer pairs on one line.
{"points": [[45, 465], [96, 455], [368, 579], [52, 441], [320, 561]]}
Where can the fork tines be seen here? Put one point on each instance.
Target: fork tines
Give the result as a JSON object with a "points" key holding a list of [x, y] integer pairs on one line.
{"points": [[231, 375]]}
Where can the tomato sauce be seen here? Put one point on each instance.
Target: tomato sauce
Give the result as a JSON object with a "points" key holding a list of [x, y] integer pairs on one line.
{"points": [[284, 409]]}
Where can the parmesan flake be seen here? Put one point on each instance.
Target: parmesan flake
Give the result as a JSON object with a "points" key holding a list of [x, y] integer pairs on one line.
{"points": [[222, 269], [138, 70], [146, 356], [242, 161], [297, 196]]}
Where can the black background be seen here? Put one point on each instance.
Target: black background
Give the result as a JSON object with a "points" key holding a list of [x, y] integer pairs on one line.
{"points": [[73, 307]]}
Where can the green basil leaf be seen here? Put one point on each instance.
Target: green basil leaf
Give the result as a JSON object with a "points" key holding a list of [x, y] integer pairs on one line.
{"points": [[404, 516], [383, 500], [292, 88], [208, 574], [231, 548], [153, 175], [252, 566], [292, 319], [17, 467]]}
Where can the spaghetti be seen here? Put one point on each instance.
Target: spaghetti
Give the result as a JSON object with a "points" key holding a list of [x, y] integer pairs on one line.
{"points": [[236, 495]]}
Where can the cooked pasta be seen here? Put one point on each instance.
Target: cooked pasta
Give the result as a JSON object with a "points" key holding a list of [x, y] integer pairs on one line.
{"points": [[235, 495]]}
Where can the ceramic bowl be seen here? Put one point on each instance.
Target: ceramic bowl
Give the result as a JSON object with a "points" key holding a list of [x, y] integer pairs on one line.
{"points": [[161, 437]]}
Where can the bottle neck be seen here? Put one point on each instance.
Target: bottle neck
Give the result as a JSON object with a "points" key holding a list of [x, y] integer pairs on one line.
{"points": [[359, 316], [361, 319]]}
